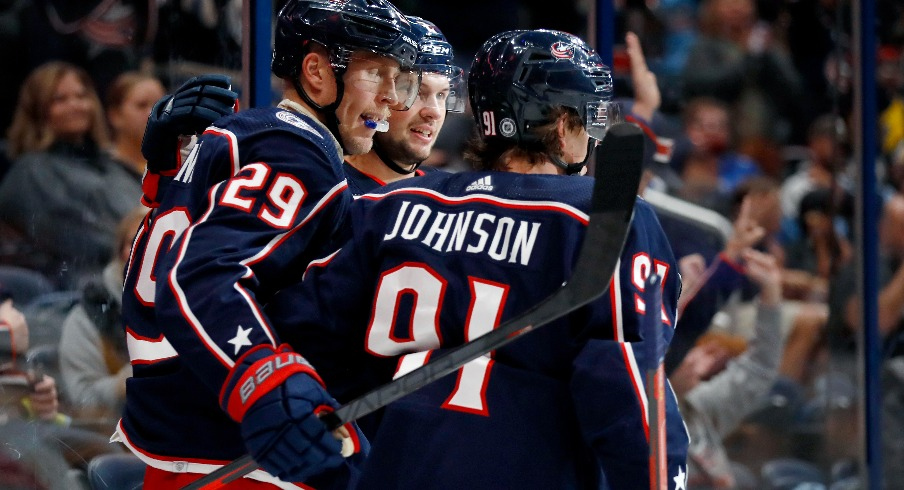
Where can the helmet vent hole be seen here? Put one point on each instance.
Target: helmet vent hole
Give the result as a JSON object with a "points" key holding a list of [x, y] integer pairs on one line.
{"points": [[372, 30]]}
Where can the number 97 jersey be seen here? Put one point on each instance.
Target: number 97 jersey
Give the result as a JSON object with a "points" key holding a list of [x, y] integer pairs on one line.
{"points": [[442, 259]]}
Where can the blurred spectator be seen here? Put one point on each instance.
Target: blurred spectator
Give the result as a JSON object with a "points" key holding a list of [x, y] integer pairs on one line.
{"points": [[890, 76], [844, 328], [738, 60], [679, 35], [37, 445], [711, 167], [13, 330], [105, 37], [708, 283], [895, 175], [845, 302], [64, 196], [94, 360], [765, 210], [129, 101], [825, 169], [821, 249], [717, 390]]}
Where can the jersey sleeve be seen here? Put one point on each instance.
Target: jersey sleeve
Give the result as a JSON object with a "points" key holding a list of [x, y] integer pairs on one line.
{"points": [[608, 382], [260, 227], [621, 308]]}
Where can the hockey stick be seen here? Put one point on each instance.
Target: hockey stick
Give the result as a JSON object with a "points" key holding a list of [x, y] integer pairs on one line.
{"points": [[619, 160], [655, 386]]}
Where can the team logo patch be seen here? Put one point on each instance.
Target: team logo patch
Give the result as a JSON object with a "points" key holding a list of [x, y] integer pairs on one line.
{"points": [[288, 117], [481, 184], [507, 127], [562, 50]]}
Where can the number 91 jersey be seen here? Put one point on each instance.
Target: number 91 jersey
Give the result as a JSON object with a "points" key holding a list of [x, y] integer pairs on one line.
{"points": [[444, 258]]}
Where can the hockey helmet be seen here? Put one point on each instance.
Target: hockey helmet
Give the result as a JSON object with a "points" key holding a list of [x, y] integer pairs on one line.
{"points": [[343, 27], [435, 56], [518, 77]]}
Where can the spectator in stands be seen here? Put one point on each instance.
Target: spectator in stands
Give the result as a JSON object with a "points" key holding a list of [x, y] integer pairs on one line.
{"points": [[64, 195], [37, 446], [843, 298], [826, 142], [717, 393], [129, 101], [821, 249], [94, 361], [737, 59], [708, 282], [890, 77], [711, 167]]}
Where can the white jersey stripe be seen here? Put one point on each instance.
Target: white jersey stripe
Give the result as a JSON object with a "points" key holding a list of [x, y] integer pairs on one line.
{"points": [[551, 205], [180, 294], [147, 351], [183, 466]]}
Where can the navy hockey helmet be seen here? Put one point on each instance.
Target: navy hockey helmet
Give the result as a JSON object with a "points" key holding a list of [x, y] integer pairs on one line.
{"points": [[435, 56], [518, 77], [342, 26]]}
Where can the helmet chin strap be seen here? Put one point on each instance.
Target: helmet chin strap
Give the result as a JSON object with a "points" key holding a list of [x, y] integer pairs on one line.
{"points": [[573, 168], [389, 162], [331, 120]]}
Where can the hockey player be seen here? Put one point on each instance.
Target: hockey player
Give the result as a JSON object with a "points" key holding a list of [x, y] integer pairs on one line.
{"points": [[261, 194], [398, 153], [441, 259]]}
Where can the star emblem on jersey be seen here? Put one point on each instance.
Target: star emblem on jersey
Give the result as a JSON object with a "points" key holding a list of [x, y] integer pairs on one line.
{"points": [[680, 479], [241, 339]]}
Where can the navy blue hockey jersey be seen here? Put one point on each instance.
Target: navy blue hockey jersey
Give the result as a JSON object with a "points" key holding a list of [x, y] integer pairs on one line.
{"points": [[441, 259], [261, 194], [361, 183]]}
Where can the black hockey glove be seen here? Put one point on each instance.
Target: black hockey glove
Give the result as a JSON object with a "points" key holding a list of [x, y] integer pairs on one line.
{"points": [[276, 395], [190, 110]]}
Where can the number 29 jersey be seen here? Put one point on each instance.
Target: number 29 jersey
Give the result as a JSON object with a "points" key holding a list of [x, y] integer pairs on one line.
{"points": [[261, 194]]}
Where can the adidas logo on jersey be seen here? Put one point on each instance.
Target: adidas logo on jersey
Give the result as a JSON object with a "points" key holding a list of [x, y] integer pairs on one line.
{"points": [[481, 184]]}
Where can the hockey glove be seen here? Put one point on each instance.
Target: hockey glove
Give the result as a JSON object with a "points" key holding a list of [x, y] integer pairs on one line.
{"points": [[276, 396], [194, 106]]}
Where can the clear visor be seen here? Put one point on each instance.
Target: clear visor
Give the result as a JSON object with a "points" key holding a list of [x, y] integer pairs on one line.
{"points": [[455, 98], [600, 115], [382, 76]]}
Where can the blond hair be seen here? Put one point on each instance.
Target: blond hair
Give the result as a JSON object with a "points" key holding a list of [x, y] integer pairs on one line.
{"points": [[30, 129]]}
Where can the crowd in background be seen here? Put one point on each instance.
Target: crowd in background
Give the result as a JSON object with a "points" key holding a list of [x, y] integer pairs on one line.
{"points": [[755, 125]]}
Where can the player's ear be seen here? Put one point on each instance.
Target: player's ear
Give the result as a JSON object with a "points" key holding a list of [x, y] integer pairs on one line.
{"points": [[317, 76], [562, 130]]}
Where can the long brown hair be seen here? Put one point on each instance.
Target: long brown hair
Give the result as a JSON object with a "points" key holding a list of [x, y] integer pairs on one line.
{"points": [[30, 130], [493, 153]]}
